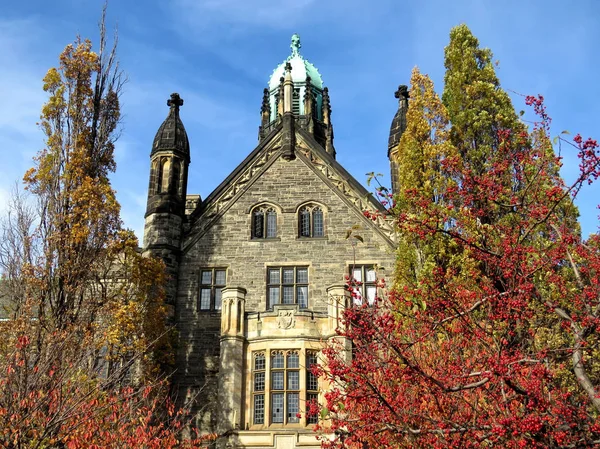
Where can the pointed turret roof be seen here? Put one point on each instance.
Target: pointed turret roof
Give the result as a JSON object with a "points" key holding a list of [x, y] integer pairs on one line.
{"points": [[399, 122], [171, 135]]}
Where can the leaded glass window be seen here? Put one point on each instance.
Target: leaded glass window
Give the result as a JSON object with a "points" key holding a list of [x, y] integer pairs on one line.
{"points": [[264, 223], [258, 374], [278, 389], [311, 221], [285, 386], [212, 281], [287, 285], [364, 284], [312, 386]]}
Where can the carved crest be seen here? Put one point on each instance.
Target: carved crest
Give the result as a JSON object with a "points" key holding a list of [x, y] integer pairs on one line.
{"points": [[286, 319]]}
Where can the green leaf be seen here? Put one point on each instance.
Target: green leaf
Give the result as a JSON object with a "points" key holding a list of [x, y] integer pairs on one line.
{"points": [[359, 238], [565, 132], [348, 233]]}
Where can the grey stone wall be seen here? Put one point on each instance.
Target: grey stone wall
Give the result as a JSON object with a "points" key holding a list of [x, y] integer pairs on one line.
{"points": [[228, 244], [162, 234]]}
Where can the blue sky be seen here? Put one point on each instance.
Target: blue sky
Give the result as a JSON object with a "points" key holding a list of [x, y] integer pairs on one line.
{"points": [[219, 55]]}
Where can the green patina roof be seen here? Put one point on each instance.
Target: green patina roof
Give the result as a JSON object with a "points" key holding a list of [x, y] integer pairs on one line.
{"points": [[301, 68]]}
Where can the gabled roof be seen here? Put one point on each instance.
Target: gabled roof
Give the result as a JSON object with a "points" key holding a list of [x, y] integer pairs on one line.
{"points": [[261, 158]]}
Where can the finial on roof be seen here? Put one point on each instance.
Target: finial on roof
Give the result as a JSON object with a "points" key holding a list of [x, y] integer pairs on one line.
{"points": [[295, 45], [175, 101], [402, 92], [266, 106]]}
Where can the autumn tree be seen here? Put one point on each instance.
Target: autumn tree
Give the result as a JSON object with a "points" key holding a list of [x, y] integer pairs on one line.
{"points": [[489, 337], [82, 353]]}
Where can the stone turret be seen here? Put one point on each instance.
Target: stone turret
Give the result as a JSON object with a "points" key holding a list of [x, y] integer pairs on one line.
{"points": [[396, 130], [165, 211], [307, 98]]}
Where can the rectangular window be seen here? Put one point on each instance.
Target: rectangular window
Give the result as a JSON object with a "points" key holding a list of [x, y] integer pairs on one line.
{"points": [[258, 369], [364, 278], [293, 407], [312, 387], [318, 228], [279, 383], [293, 380], [277, 407], [287, 285], [277, 380], [259, 409], [311, 418], [296, 102], [285, 387], [259, 381], [271, 224], [212, 281]]}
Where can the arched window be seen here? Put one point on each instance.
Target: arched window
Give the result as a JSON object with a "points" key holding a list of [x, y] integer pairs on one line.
{"points": [[163, 177], [176, 175], [155, 177], [310, 221], [264, 223]]}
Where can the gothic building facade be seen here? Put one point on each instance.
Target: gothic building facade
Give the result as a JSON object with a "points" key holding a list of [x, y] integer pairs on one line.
{"points": [[257, 267]]}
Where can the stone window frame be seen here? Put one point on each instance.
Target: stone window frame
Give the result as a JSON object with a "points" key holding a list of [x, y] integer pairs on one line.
{"points": [[283, 284], [309, 209], [213, 286], [312, 385], [363, 283], [282, 382], [269, 229], [285, 386], [259, 368]]}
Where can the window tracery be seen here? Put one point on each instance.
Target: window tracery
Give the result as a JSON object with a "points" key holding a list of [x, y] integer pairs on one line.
{"points": [[264, 222], [311, 221]]}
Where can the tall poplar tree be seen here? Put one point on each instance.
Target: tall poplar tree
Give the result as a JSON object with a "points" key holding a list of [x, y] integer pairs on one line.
{"points": [[423, 149], [86, 337]]}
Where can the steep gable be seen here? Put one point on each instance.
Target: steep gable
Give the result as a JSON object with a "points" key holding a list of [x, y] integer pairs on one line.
{"points": [[333, 176]]}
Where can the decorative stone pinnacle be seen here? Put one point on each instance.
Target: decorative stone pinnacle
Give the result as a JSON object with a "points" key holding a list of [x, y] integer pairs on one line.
{"points": [[266, 107], [175, 101], [288, 67], [307, 89], [402, 92], [295, 45]]}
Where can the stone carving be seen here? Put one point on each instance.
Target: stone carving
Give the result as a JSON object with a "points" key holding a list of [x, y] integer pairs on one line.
{"points": [[384, 224], [255, 168], [286, 319], [234, 189]]}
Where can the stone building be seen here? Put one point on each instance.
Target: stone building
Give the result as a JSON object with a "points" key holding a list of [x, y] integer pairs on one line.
{"points": [[257, 268]]}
